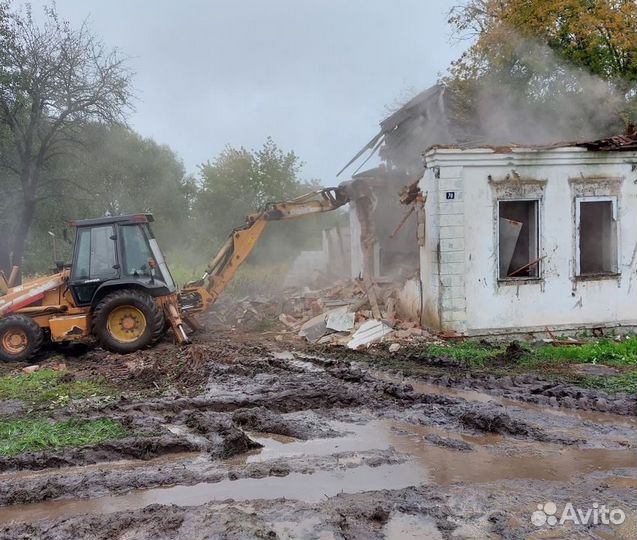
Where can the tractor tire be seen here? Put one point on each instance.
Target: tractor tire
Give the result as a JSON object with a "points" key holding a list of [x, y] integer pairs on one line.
{"points": [[127, 320], [20, 338]]}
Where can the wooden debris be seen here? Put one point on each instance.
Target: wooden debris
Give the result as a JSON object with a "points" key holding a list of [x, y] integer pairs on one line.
{"points": [[528, 265], [557, 342]]}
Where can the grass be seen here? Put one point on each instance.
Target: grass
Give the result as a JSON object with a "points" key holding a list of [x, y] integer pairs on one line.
{"points": [[469, 352], [17, 436], [608, 352], [547, 360], [47, 385]]}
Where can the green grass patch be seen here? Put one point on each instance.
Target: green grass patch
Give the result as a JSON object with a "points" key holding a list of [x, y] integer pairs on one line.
{"points": [[550, 361], [17, 436], [479, 354], [607, 352], [47, 385], [469, 352]]}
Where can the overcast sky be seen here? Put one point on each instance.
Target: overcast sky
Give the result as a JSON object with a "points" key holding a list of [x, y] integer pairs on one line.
{"points": [[316, 75]]}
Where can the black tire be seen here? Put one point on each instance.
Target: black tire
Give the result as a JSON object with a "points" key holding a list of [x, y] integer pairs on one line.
{"points": [[131, 298], [28, 328]]}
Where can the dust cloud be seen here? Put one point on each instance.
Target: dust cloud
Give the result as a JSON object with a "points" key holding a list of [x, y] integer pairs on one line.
{"points": [[545, 100]]}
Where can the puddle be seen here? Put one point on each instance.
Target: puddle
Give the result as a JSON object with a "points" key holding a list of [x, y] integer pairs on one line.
{"points": [[374, 435], [296, 486], [426, 464], [524, 459], [426, 388], [483, 397]]}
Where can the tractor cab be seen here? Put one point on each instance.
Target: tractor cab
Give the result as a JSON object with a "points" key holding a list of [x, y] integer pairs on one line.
{"points": [[115, 252]]}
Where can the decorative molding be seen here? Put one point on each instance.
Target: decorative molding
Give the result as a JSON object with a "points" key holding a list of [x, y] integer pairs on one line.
{"points": [[594, 186], [518, 157]]}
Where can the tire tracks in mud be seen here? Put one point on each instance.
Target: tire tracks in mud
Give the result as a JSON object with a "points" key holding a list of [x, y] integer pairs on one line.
{"points": [[269, 395], [257, 384]]}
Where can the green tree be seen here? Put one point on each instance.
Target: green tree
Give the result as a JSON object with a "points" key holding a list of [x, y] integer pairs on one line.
{"points": [[240, 182], [115, 171], [54, 79]]}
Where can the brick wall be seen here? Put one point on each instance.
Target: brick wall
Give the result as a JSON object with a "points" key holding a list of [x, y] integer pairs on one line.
{"points": [[451, 215]]}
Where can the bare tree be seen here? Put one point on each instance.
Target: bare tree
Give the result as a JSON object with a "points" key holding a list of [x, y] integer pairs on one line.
{"points": [[53, 78]]}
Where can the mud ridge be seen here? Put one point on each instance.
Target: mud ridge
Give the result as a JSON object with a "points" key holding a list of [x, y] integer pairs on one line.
{"points": [[102, 480]]}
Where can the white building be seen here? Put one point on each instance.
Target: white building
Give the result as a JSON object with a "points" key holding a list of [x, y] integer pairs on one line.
{"points": [[520, 239], [517, 238]]}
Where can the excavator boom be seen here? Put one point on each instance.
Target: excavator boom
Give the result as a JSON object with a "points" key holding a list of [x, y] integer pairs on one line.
{"points": [[199, 295], [127, 305]]}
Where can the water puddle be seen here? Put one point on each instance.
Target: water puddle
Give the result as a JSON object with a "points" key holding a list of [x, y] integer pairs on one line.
{"points": [[296, 486], [485, 463], [374, 435], [425, 463]]}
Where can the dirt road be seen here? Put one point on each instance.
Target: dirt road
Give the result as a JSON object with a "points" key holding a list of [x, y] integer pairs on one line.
{"points": [[253, 439]]}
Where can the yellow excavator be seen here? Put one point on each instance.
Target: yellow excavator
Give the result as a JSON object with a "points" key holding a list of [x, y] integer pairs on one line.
{"points": [[118, 287]]}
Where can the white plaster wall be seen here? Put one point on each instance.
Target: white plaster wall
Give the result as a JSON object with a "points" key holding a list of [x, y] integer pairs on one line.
{"points": [[472, 300]]}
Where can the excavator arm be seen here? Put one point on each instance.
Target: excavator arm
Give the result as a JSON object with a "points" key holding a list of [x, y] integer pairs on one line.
{"points": [[199, 295]]}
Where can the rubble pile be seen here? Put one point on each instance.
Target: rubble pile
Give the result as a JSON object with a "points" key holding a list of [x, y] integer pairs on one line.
{"points": [[354, 313]]}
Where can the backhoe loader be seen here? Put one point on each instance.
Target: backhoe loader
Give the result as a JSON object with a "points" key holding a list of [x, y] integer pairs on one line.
{"points": [[118, 287]]}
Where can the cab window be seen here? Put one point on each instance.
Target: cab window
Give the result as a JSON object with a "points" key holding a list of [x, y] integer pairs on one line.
{"points": [[95, 257], [136, 251]]}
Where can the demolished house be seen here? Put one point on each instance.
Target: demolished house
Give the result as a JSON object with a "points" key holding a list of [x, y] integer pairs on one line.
{"points": [[497, 239]]}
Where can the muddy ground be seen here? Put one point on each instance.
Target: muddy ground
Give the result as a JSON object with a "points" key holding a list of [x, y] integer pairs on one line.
{"points": [[249, 437]]}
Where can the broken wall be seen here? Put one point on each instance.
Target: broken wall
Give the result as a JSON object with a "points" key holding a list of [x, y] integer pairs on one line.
{"points": [[379, 246]]}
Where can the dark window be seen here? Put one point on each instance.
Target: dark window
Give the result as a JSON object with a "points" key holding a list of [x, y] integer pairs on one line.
{"points": [[518, 234], [137, 251], [95, 254], [597, 237]]}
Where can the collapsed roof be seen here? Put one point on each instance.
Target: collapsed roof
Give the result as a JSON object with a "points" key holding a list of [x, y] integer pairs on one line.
{"points": [[624, 143], [436, 118], [423, 121]]}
